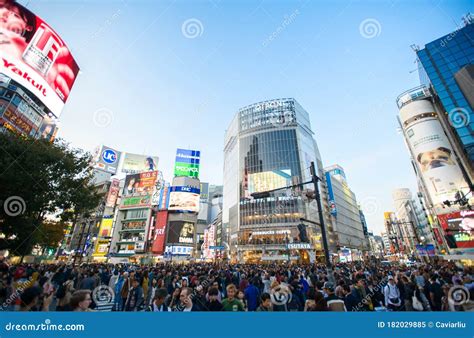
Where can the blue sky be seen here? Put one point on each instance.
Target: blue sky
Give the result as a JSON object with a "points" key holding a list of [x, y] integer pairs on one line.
{"points": [[147, 87]]}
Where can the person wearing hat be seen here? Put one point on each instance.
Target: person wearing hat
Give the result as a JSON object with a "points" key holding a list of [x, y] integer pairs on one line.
{"points": [[334, 303], [392, 295]]}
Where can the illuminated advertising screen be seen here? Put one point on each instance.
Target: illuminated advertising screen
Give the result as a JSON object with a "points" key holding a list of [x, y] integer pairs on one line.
{"points": [[458, 228], [269, 180], [101, 248], [187, 163], [34, 55], [135, 163], [180, 232], [436, 161], [184, 199], [140, 184], [107, 159], [105, 229]]}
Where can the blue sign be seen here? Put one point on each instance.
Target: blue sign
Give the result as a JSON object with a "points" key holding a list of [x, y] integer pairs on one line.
{"points": [[331, 201], [109, 156], [185, 189], [218, 247]]}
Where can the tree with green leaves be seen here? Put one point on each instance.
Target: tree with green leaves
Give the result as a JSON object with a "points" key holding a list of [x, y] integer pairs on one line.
{"points": [[39, 178]]}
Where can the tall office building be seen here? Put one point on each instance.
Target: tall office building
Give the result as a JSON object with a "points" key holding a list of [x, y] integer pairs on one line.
{"points": [[412, 218], [270, 145], [345, 214], [441, 175], [446, 63]]}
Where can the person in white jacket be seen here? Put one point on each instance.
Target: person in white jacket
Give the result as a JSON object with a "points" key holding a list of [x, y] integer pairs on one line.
{"points": [[391, 292]]}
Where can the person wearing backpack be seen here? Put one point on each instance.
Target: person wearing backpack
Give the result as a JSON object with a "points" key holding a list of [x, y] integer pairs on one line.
{"points": [[391, 292]]}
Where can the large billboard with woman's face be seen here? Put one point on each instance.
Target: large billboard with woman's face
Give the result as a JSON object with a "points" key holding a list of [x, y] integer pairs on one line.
{"points": [[436, 161], [33, 54]]}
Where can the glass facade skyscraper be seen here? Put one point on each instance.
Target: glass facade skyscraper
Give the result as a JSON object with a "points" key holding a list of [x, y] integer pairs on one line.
{"points": [[270, 145], [445, 62]]}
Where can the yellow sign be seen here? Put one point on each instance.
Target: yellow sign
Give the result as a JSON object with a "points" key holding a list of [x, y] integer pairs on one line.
{"points": [[106, 227]]}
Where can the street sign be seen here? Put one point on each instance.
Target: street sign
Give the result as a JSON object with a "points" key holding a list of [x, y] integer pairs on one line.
{"points": [[218, 247]]}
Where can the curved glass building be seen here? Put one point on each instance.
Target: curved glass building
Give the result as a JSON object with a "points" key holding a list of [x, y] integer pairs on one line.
{"points": [[270, 145]]}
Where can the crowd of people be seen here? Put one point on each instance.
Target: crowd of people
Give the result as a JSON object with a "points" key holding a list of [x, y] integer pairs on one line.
{"points": [[356, 286]]}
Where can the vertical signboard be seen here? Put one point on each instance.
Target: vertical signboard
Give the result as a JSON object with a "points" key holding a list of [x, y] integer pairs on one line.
{"points": [[187, 163]]}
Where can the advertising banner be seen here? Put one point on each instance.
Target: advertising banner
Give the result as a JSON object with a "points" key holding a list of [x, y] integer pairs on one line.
{"points": [[113, 193], [135, 163], [204, 194], [101, 248], [436, 161], [107, 159], [178, 250], [105, 229], [187, 163], [181, 232], [184, 199], [457, 227], [135, 202], [158, 246], [34, 55], [140, 184], [269, 180], [164, 197], [331, 201]]}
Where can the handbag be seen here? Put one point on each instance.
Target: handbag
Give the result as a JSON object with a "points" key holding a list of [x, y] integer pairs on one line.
{"points": [[417, 305]]}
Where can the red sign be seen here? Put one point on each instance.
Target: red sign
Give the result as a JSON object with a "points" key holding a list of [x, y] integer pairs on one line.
{"points": [[34, 55], [158, 246], [457, 229], [113, 193]]}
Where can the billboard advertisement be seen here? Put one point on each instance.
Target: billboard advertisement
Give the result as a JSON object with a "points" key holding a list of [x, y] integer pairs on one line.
{"points": [[113, 193], [436, 162], [140, 184], [158, 246], [457, 227], [35, 56], [101, 248], [107, 159], [331, 201], [180, 232], [269, 180], [105, 229], [129, 202], [187, 163], [204, 187], [184, 199], [135, 163]]}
